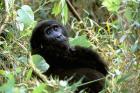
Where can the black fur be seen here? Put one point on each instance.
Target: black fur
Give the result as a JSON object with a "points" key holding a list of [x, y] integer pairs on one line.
{"points": [[65, 60]]}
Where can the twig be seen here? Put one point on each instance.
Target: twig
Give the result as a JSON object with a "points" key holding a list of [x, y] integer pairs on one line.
{"points": [[6, 18], [74, 12], [41, 6], [36, 71], [91, 81]]}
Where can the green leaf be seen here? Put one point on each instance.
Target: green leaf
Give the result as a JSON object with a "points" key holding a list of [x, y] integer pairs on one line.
{"points": [[80, 40], [9, 86], [129, 14], [134, 47], [29, 74], [124, 78], [63, 3], [112, 5], [64, 14], [25, 15], [56, 8], [40, 63], [39, 89], [60, 7], [2, 72]]}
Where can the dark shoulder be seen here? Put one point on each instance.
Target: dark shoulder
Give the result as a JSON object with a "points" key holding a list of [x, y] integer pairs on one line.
{"points": [[92, 58], [85, 51]]}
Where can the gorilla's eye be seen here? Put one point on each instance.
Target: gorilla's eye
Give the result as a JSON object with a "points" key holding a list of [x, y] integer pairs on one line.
{"points": [[55, 28], [48, 32]]}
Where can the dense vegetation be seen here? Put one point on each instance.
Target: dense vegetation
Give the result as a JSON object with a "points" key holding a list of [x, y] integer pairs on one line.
{"points": [[111, 27]]}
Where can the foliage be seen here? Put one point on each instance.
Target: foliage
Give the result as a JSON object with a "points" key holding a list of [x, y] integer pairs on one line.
{"points": [[80, 40], [8, 87], [40, 63], [60, 7], [112, 5], [26, 16], [116, 39]]}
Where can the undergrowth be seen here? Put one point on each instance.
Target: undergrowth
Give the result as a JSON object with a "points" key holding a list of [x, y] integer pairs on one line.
{"points": [[117, 41]]}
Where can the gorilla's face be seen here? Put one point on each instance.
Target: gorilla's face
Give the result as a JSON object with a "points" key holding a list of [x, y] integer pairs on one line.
{"points": [[48, 34], [55, 35]]}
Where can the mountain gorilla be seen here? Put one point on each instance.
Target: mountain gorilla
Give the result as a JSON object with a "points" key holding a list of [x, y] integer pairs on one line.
{"points": [[50, 40]]}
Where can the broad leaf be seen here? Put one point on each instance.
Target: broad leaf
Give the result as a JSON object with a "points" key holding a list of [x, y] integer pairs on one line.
{"points": [[80, 40], [25, 15], [112, 5], [40, 63]]}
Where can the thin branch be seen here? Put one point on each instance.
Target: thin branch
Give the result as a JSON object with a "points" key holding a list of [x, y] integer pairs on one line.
{"points": [[74, 12], [36, 71], [6, 18]]}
